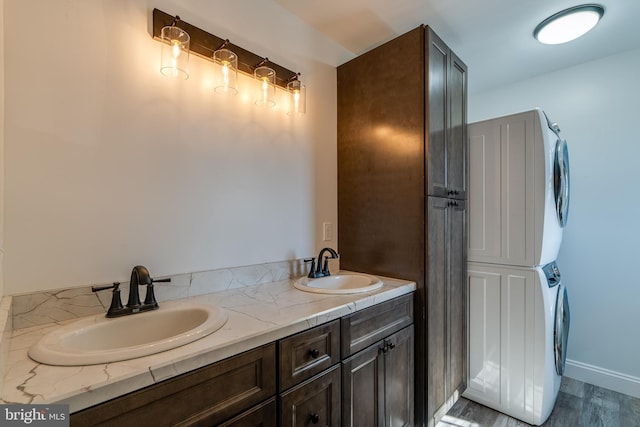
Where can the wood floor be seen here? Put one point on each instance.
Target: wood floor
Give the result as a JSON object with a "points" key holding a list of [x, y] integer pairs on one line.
{"points": [[578, 405]]}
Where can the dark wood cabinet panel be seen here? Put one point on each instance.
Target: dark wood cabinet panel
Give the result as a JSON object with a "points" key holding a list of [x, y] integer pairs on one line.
{"points": [[263, 415], [457, 153], [204, 397], [308, 353], [365, 327], [316, 401], [363, 388], [378, 386], [399, 385], [436, 71], [437, 337], [380, 159], [398, 144], [446, 340], [457, 297]]}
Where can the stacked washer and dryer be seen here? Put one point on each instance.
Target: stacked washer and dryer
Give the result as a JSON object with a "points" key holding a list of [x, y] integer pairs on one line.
{"points": [[518, 307]]}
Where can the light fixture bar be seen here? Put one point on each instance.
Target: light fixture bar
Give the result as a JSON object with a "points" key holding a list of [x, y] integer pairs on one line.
{"points": [[204, 44]]}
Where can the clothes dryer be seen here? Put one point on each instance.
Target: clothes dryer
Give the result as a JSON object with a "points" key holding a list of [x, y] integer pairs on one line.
{"points": [[518, 189]]}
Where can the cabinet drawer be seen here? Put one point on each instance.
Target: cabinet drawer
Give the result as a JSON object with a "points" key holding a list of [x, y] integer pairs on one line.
{"points": [[263, 415], [314, 402], [363, 328], [206, 396], [308, 353]]}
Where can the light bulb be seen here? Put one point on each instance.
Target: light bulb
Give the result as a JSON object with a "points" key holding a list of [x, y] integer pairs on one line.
{"points": [[225, 74], [265, 87], [175, 48]]}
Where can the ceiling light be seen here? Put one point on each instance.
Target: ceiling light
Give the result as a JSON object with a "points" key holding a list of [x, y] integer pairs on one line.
{"points": [[568, 24]]}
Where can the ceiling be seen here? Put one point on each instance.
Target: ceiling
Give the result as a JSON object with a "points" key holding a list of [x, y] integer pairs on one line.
{"points": [[493, 37]]}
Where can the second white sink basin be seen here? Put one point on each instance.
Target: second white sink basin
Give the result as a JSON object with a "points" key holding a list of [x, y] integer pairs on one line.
{"points": [[100, 340], [341, 283]]}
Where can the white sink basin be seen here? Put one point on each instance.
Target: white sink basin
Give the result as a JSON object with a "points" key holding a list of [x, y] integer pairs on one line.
{"points": [[100, 340], [341, 283]]}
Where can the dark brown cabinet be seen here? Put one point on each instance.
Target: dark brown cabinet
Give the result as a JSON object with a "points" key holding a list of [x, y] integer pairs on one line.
{"points": [[377, 383], [204, 397], [446, 315], [241, 391], [378, 365], [314, 402], [401, 141]]}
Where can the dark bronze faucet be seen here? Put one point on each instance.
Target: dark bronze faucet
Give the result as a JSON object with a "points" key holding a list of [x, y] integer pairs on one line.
{"points": [[322, 269], [139, 276]]}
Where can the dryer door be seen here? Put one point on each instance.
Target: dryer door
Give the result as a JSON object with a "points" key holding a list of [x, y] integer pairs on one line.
{"points": [[561, 181], [561, 329]]}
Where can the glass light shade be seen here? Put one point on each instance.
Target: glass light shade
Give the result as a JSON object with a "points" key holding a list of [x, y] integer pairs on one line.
{"points": [[265, 86], [298, 97], [174, 59], [226, 73], [568, 24]]}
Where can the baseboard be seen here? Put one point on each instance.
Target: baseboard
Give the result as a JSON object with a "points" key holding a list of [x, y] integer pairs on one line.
{"points": [[604, 378]]}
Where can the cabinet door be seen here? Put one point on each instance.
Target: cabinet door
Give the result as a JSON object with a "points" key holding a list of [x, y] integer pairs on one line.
{"points": [[314, 402], [457, 296], [437, 122], [456, 149], [363, 388], [446, 77], [446, 310], [437, 342], [399, 384]]}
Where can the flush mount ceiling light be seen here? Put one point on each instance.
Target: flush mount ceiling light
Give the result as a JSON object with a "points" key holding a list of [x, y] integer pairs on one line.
{"points": [[568, 24]]}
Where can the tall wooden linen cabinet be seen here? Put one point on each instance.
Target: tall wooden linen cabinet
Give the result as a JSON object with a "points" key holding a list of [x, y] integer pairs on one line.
{"points": [[402, 190]]}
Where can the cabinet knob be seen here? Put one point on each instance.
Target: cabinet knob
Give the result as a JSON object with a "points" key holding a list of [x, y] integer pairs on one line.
{"points": [[391, 345], [314, 353], [314, 418]]}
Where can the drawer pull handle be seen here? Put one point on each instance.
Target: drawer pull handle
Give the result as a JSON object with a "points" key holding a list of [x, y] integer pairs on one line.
{"points": [[314, 418], [314, 353]]}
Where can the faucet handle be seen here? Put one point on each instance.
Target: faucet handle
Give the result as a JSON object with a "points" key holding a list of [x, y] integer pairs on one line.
{"points": [[150, 297], [116, 302], [312, 270]]}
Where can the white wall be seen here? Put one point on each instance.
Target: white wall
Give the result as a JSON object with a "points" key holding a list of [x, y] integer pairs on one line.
{"points": [[596, 106], [109, 164]]}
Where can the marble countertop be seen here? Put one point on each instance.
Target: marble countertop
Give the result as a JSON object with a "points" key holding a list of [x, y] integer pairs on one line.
{"points": [[257, 314]]}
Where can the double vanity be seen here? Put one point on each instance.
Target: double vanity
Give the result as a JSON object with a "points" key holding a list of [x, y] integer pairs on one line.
{"points": [[248, 350]]}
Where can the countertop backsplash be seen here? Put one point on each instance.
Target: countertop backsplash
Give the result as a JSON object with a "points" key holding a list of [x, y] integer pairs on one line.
{"points": [[46, 307]]}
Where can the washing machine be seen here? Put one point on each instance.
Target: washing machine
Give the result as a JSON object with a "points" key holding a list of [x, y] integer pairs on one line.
{"points": [[518, 329], [551, 337]]}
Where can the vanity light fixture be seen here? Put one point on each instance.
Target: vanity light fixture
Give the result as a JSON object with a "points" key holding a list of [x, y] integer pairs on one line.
{"points": [[174, 54], [297, 96], [226, 73], [265, 84], [228, 58], [568, 24]]}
